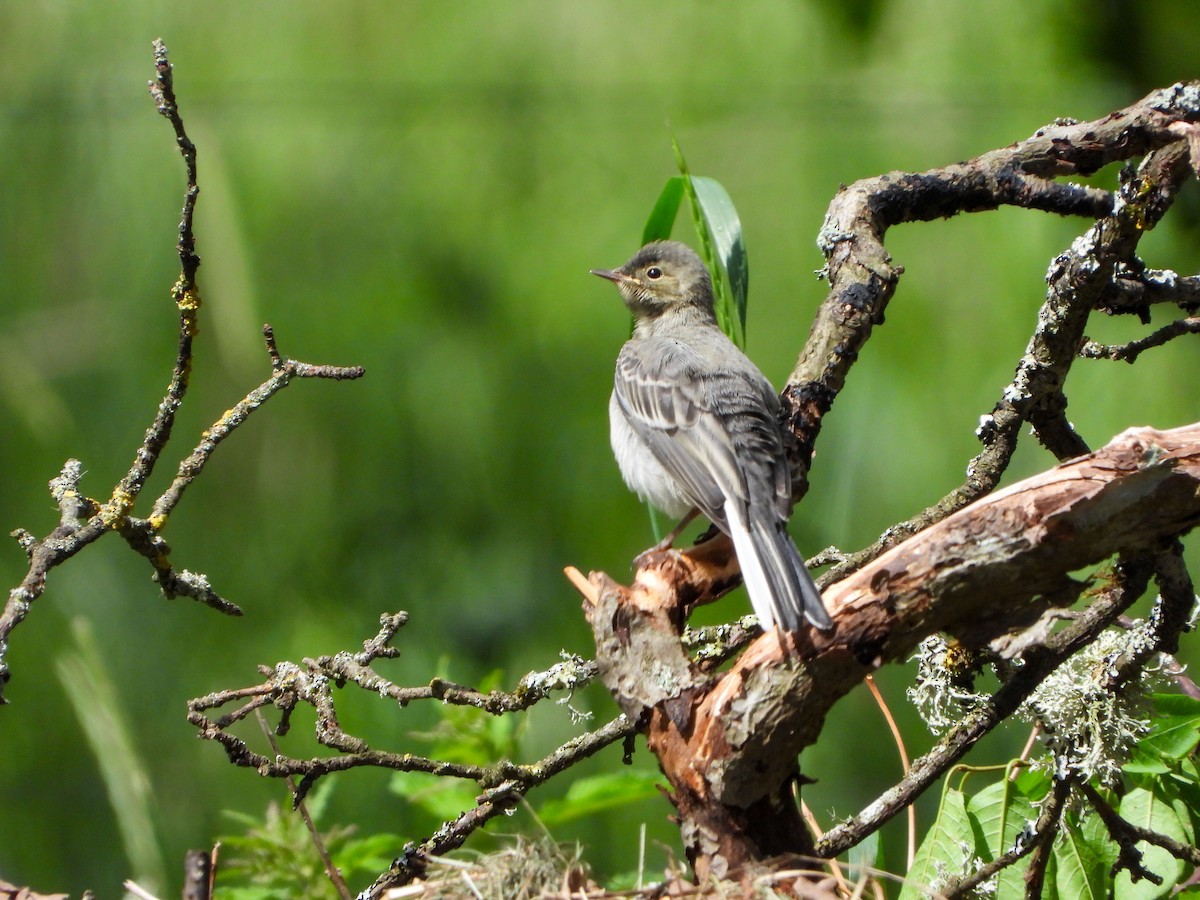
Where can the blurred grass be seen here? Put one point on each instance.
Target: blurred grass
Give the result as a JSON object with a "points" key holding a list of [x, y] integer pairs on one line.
{"points": [[421, 189]]}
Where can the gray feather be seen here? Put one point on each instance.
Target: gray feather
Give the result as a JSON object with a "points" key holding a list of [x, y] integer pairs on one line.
{"points": [[695, 424]]}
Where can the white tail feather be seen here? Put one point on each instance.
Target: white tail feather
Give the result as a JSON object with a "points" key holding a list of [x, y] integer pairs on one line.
{"points": [[758, 586]]}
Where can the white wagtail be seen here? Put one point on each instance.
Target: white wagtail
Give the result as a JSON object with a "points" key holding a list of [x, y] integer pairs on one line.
{"points": [[695, 427]]}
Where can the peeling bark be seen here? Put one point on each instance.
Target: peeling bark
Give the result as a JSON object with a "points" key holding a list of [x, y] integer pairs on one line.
{"points": [[728, 744]]}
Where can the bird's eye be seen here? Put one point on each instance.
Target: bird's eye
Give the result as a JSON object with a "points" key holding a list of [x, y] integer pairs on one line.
{"points": [[654, 273]]}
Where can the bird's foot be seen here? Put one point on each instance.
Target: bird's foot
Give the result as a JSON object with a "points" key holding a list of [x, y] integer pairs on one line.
{"points": [[653, 556]]}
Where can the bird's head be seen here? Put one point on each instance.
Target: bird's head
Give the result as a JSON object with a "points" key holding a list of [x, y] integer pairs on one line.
{"points": [[662, 276]]}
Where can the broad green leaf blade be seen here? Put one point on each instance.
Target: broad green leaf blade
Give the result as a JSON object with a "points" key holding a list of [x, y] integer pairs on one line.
{"points": [[1084, 857], [999, 813], [1142, 807], [730, 321], [1174, 734], [864, 857], [587, 796], [725, 228], [666, 208], [1033, 783], [1183, 786], [945, 849]]}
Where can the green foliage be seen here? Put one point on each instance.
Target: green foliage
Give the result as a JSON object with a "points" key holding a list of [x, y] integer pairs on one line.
{"points": [[1161, 793], [946, 850], [596, 793], [431, 215], [719, 230], [274, 856], [463, 735]]}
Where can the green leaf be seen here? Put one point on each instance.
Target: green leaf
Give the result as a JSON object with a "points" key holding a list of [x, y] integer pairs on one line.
{"points": [[600, 792], [945, 849], [369, 854], [1147, 809], [1084, 856], [731, 315], [864, 857], [1033, 783], [442, 798], [1183, 786], [999, 814], [85, 677], [666, 208], [725, 230], [1174, 734]]}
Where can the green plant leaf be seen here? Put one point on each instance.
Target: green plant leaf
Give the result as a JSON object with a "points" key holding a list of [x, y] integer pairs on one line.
{"points": [[662, 218], [864, 856], [442, 798], [1183, 786], [1174, 734], [1149, 810], [999, 813], [945, 849], [731, 315], [725, 230], [1033, 783], [600, 792], [373, 853], [1084, 856], [84, 675]]}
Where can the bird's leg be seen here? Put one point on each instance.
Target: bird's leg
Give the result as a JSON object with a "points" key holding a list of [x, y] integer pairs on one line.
{"points": [[665, 543]]}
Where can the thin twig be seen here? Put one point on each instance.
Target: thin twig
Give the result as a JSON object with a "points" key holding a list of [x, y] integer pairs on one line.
{"points": [[1132, 350], [904, 764], [1126, 834], [331, 871], [283, 370]]}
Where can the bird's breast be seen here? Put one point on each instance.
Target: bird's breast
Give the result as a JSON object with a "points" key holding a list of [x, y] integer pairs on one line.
{"points": [[641, 470]]}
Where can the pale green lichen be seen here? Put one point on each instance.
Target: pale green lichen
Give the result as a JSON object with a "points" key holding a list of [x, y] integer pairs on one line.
{"points": [[1093, 715], [942, 693]]}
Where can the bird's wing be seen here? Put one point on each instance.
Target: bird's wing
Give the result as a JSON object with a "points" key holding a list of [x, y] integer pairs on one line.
{"points": [[715, 429], [714, 432]]}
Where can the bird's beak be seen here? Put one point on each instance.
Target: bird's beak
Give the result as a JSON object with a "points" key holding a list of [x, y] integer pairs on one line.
{"points": [[611, 275]]}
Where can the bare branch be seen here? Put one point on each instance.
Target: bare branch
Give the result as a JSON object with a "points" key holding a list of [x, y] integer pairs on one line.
{"points": [[1132, 350], [289, 685], [860, 271], [83, 520], [283, 370], [1078, 279]]}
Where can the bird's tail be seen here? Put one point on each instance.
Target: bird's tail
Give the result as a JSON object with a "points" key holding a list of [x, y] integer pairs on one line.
{"points": [[781, 590]]}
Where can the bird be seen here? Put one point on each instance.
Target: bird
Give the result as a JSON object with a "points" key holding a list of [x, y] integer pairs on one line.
{"points": [[695, 427]]}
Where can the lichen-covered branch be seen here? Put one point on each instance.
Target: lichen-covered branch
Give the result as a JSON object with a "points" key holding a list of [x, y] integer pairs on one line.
{"points": [[861, 273], [83, 520], [1080, 279], [283, 370], [973, 571], [314, 683], [750, 724]]}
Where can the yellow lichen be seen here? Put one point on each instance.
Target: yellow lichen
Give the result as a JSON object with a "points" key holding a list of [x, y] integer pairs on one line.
{"points": [[114, 512]]}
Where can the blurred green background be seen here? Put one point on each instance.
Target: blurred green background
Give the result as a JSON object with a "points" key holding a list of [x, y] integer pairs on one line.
{"points": [[421, 188]]}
